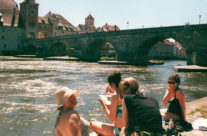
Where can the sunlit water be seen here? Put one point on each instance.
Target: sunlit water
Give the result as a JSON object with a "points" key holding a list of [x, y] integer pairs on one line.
{"points": [[27, 105]]}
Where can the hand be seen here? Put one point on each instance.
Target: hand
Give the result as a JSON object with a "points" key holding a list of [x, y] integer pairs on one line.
{"points": [[170, 90], [170, 93], [101, 101], [109, 89]]}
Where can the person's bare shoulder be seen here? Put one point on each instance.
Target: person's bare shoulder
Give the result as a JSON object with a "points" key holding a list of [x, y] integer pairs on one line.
{"points": [[73, 115], [114, 97], [180, 94]]}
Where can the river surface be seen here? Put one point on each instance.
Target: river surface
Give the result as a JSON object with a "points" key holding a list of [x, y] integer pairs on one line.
{"points": [[27, 105]]}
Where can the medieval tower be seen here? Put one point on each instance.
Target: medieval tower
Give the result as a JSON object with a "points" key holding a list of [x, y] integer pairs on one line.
{"points": [[29, 18], [89, 20]]}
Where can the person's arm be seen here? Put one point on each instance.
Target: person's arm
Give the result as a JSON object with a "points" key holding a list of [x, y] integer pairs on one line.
{"points": [[106, 109], [111, 113], [124, 114], [182, 99], [74, 124], [168, 95]]}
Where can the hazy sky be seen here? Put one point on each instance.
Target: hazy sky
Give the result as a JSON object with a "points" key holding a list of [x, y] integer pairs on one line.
{"points": [[138, 13]]}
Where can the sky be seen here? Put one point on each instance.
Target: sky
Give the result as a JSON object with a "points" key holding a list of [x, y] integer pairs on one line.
{"points": [[128, 14]]}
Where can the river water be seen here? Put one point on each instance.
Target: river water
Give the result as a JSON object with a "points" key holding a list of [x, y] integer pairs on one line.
{"points": [[27, 105]]}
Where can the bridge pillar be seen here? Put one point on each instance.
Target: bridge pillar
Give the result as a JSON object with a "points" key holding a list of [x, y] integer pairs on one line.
{"points": [[197, 57]]}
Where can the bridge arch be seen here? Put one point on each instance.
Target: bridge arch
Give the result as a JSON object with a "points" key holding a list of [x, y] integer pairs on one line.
{"points": [[93, 52], [30, 49], [57, 49], [144, 48]]}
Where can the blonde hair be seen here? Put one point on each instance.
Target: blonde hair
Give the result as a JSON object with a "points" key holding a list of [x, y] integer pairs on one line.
{"points": [[131, 86]]}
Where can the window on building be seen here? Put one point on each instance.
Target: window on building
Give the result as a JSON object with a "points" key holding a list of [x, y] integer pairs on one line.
{"points": [[2, 37], [32, 12], [71, 29], [3, 30], [4, 45]]}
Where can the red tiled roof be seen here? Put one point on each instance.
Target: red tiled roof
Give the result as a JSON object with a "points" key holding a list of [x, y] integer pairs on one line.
{"points": [[6, 9], [43, 20], [167, 42], [107, 27], [107, 46], [8, 4], [62, 20]]}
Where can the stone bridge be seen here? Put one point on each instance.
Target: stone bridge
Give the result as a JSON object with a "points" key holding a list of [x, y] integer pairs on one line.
{"points": [[131, 45]]}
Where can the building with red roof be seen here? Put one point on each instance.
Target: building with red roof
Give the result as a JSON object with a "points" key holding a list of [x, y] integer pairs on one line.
{"points": [[107, 28], [89, 26]]}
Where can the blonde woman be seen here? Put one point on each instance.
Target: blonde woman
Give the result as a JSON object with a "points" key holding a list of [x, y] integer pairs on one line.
{"points": [[141, 115]]}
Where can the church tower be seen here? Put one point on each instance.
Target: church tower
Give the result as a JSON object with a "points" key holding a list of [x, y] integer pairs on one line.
{"points": [[89, 20], [29, 17]]}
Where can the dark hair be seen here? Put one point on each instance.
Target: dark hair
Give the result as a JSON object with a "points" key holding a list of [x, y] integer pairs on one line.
{"points": [[60, 109], [175, 78], [115, 78]]}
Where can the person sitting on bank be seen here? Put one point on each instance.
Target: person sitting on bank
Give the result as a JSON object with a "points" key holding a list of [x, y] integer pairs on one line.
{"points": [[113, 112], [113, 80], [68, 122], [141, 115], [176, 97], [177, 107]]}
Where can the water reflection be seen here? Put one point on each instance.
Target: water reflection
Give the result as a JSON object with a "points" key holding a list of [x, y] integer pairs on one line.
{"points": [[27, 105]]}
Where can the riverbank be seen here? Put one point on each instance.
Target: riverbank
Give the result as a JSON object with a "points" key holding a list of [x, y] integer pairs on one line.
{"points": [[19, 58], [34, 58], [190, 68], [195, 110]]}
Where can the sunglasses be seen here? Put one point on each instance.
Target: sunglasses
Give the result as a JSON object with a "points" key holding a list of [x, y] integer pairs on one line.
{"points": [[171, 82]]}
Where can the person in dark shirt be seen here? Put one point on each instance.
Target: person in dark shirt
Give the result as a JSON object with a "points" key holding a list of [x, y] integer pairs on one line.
{"points": [[176, 97], [140, 115], [177, 103]]}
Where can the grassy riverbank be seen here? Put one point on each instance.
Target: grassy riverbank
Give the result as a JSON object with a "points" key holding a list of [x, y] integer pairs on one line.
{"points": [[196, 109], [201, 112]]}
